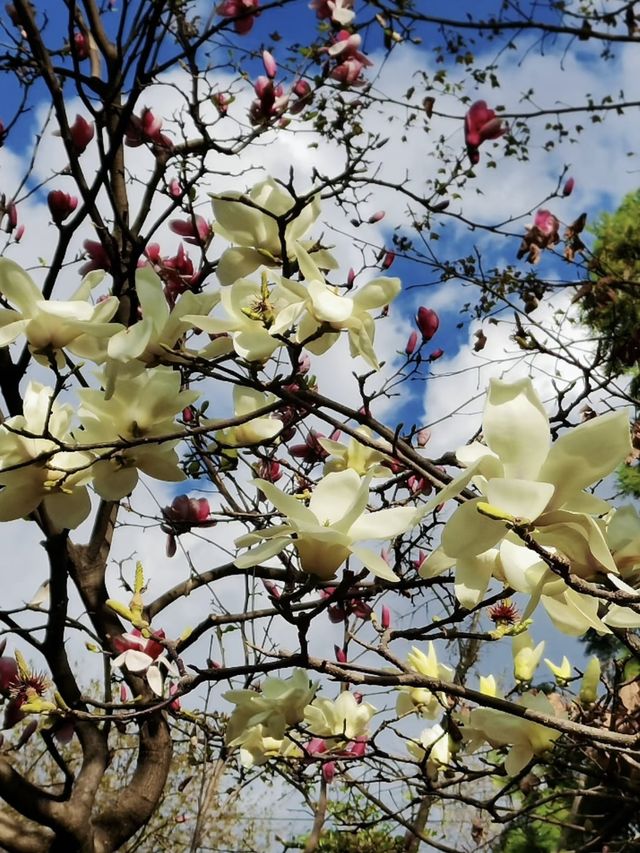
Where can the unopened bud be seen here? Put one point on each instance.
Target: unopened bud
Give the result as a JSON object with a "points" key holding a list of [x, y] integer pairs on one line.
{"points": [[385, 617], [568, 187], [427, 321], [341, 655], [376, 217], [411, 343]]}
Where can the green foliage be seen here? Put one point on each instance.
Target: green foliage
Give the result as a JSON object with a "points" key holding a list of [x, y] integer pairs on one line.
{"points": [[357, 827], [609, 301], [532, 834]]}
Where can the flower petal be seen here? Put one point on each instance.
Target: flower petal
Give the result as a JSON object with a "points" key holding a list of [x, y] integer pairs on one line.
{"points": [[262, 552], [516, 427], [472, 577], [374, 562], [586, 454], [468, 533], [524, 499], [383, 524]]}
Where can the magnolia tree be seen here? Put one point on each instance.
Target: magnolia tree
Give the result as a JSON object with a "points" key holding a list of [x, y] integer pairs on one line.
{"points": [[204, 353]]}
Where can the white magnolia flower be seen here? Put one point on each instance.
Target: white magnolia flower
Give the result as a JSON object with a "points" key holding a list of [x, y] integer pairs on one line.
{"points": [[251, 309], [433, 750], [343, 718], [420, 699], [279, 705], [51, 326], [521, 474], [321, 312], [526, 738], [326, 532], [257, 748], [256, 430], [251, 223], [160, 328], [362, 459], [526, 657], [56, 479], [142, 406]]}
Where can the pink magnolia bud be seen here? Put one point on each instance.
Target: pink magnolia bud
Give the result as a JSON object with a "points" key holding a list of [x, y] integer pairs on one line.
{"points": [[61, 205], [422, 556], [411, 343], [8, 674], [427, 321], [351, 276], [568, 187], [424, 435], [12, 216], [341, 655], [270, 470], [80, 46], [124, 693], [188, 414], [436, 354], [270, 65], [358, 697], [316, 746], [81, 133], [388, 259], [272, 589], [359, 747], [385, 618], [376, 217], [195, 230], [304, 365], [546, 222], [175, 188], [175, 705], [19, 233], [329, 771], [301, 89]]}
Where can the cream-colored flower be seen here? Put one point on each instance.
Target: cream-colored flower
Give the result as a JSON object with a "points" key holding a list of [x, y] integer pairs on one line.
{"points": [[253, 431], [51, 326], [590, 682], [341, 720], [526, 657], [161, 328], [321, 312], [526, 738], [250, 309], [48, 476], [521, 474], [561, 673], [433, 750], [253, 223], [277, 706], [141, 407], [427, 703], [362, 459], [326, 532]]}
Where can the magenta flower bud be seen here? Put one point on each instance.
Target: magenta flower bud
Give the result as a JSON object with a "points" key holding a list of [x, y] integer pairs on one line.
{"points": [[316, 746], [272, 589], [124, 693], [270, 65], [436, 354], [81, 133], [12, 216], [358, 696], [175, 188], [422, 556], [376, 217], [329, 771], [341, 655], [336, 614], [427, 321], [358, 748], [80, 46], [411, 343], [568, 187], [388, 259], [301, 89], [19, 233], [195, 230], [351, 276], [8, 674], [546, 223], [188, 414], [61, 205], [385, 618]]}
